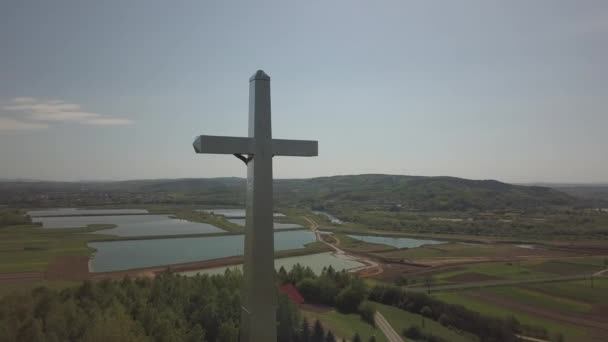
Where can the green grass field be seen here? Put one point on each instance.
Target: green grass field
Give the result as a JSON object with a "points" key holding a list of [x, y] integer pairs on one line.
{"points": [[598, 260], [565, 267], [29, 248], [574, 298], [523, 270], [203, 217], [502, 270], [355, 245], [423, 252], [400, 320], [570, 332], [579, 290], [533, 296], [345, 326], [454, 250]]}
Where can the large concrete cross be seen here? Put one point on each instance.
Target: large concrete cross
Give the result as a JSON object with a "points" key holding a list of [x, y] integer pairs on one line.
{"points": [[258, 317]]}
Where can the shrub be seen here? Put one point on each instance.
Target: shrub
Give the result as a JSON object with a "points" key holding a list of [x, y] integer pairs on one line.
{"points": [[367, 312], [413, 332], [349, 299], [444, 320]]}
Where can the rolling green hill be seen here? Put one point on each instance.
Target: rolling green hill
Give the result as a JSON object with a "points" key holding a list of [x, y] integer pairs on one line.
{"points": [[423, 193], [386, 192]]}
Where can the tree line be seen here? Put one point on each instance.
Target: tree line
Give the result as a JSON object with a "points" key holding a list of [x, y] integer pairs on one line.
{"points": [[172, 308], [13, 217], [168, 308], [349, 294]]}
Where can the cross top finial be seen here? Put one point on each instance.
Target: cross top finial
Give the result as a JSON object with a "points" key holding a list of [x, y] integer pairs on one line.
{"points": [[260, 75]]}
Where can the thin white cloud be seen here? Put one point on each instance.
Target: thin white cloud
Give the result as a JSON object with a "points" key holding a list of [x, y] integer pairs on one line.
{"points": [[31, 111], [9, 124], [108, 121], [24, 100]]}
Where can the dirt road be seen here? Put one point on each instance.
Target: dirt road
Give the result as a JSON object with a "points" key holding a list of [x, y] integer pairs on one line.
{"points": [[370, 267]]}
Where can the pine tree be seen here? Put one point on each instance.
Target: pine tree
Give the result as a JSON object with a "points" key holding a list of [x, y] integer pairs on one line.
{"points": [[330, 337], [425, 312], [196, 334], [305, 332], [357, 338], [228, 332], [317, 332]]}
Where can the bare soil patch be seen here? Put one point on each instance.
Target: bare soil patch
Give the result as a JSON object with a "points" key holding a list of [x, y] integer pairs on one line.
{"points": [[71, 267], [598, 313], [393, 271], [584, 247]]}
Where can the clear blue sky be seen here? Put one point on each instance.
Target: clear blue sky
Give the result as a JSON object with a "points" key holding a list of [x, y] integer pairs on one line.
{"points": [[511, 90]]}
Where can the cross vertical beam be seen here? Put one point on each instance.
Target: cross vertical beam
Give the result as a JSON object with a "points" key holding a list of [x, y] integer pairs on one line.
{"points": [[259, 299], [259, 294]]}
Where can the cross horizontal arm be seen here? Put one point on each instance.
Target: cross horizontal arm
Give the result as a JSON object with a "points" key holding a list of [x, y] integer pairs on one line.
{"points": [[296, 148], [223, 145]]}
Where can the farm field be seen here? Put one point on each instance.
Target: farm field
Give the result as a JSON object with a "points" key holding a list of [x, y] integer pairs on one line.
{"points": [[573, 309], [538, 292], [453, 252], [519, 270], [354, 245], [570, 332], [579, 290], [30, 248], [401, 320]]}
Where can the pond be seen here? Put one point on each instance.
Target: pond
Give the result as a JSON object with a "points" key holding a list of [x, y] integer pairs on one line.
{"points": [[131, 225], [75, 211], [277, 225], [232, 213], [122, 255], [315, 261], [397, 242]]}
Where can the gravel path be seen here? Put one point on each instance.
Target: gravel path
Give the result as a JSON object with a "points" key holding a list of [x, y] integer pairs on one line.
{"points": [[387, 330]]}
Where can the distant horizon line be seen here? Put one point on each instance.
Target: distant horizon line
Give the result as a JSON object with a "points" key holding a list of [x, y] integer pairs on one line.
{"points": [[530, 183]]}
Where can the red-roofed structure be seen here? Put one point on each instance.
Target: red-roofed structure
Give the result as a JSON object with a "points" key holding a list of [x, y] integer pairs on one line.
{"points": [[292, 293]]}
